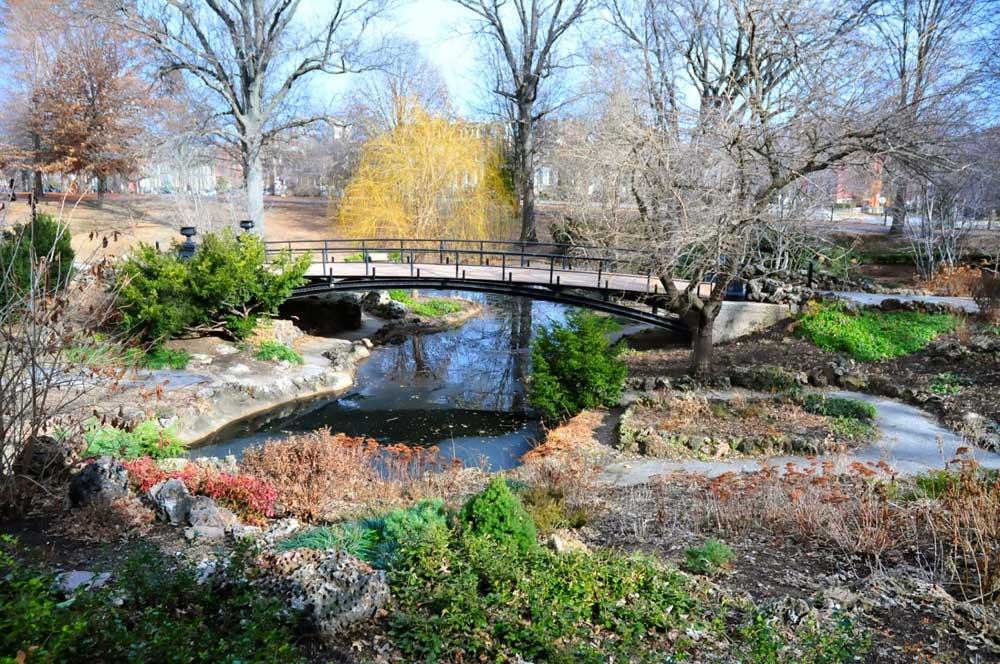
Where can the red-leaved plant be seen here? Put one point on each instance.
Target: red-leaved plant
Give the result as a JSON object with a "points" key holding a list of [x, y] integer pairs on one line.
{"points": [[250, 497]]}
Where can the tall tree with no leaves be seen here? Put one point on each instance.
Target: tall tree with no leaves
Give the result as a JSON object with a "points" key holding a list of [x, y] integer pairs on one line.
{"points": [[932, 63], [254, 57], [526, 34], [736, 103]]}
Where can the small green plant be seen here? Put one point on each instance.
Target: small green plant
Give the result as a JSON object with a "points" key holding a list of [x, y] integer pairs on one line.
{"points": [[574, 367], [708, 559], [948, 384], [354, 538], [148, 438], [163, 358], [838, 407], [406, 526], [272, 351], [872, 335], [434, 307], [497, 513], [548, 509]]}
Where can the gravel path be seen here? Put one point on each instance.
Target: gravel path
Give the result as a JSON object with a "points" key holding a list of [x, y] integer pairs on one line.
{"points": [[910, 441]]}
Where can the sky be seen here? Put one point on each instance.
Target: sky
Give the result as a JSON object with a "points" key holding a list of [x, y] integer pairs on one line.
{"points": [[442, 29]]}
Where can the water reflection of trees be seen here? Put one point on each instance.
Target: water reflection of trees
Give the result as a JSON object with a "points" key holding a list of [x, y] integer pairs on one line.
{"points": [[479, 366]]}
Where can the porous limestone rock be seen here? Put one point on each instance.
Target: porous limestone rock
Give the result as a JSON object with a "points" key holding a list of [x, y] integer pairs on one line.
{"points": [[102, 480], [333, 588]]}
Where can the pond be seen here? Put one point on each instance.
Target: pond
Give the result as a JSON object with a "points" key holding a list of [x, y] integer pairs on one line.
{"points": [[462, 390]]}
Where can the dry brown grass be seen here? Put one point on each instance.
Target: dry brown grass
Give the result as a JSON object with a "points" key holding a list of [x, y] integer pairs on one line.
{"points": [[868, 512], [321, 475], [569, 459], [953, 281]]}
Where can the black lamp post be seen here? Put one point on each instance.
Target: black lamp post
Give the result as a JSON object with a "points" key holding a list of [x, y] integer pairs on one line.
{"points": [[247, 225], [188, 247]]}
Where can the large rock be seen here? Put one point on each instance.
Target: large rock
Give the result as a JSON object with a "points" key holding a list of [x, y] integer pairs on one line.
{"points": [[208, 520], [333, 588], [379, 303], [172, 501], [102, 480]]}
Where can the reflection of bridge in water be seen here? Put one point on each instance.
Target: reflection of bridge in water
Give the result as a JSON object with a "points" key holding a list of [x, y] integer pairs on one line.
{"points": [[615, 281]]}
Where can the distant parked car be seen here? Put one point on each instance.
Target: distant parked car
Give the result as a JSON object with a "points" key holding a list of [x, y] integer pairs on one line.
{"points": [[49, 189]]}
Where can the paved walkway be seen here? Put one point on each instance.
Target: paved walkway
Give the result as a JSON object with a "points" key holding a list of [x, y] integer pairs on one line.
{"points": [[911, 442]]}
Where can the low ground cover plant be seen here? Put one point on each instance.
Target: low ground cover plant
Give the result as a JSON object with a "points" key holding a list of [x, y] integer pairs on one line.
{"points": [[948, 384], [433, 307], [575, 367], [871, 335], [154, 610], [272, 351], [147, 439], [226, 287], [166, 358]]}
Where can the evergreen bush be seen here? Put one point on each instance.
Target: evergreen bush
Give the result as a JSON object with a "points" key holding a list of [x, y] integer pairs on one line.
{"points": [[28, 245], [499, 514], [575, 367], [226, 286]]}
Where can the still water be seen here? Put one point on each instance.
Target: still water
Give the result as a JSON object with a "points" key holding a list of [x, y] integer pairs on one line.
{"points": [[462, 390]]}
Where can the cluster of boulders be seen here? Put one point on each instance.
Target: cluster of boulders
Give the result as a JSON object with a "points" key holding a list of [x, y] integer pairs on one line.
{"points": [[378, 303], [334, 589], [773, 291], [956, 349]]}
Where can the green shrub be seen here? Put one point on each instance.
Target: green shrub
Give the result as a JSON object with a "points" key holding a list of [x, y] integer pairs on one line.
{"points": [[850, 428], [162, 358], [353, 538], [498, 514], [226, 286], [148, 438], [272, 351], [24, 246], [155, 610], [476, 599], [838, 407], [406, 526], [872, 335], [548, 509], [575, 367], [708, 559]]}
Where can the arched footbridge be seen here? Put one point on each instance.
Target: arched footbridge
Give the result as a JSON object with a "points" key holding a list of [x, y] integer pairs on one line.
{"points": [[614, 281]]}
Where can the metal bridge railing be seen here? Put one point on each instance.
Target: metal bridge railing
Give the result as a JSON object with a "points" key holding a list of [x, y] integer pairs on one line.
{"points": [[506, 254]]}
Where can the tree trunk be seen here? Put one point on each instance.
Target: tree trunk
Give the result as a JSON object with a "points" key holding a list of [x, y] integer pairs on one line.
{"points": [[526, 169], [102, 188], [253, 182], [898, 207], [36, 141], [701, 322]]}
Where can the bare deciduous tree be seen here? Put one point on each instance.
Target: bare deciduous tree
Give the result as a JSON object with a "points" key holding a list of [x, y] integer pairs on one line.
{"points": [[253, 57], [525, 37], [737, 102]]}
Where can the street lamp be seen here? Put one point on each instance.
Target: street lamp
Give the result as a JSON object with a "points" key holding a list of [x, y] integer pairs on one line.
{"points": [[188, 247], [247, 225]]}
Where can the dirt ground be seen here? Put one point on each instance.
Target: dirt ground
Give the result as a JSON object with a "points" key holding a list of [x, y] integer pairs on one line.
{"points": [[781, 346], [158, 218]]}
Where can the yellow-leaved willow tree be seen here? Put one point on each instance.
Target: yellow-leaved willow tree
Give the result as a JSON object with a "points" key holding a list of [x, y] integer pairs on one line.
{"points": [[429, 177]]}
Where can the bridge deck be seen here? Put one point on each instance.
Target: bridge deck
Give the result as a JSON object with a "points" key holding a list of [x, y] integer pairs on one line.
{"points": [[540, 276]]}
